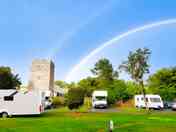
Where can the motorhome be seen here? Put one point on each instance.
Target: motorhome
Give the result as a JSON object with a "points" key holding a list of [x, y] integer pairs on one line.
{"points": [[99, 99], [13, 102], [152, 101]]}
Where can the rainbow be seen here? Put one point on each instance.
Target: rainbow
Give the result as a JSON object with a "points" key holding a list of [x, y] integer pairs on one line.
{"points": [[70, 76]]}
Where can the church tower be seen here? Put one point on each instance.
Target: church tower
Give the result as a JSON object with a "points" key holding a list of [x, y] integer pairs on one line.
{"points": [[42, 75]]}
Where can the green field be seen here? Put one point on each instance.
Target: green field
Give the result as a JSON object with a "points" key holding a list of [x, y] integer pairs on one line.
{"points": [[60, 120]]}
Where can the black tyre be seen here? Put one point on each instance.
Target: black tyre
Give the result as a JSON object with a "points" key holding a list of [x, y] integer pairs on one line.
{"points": [[4, 115]]}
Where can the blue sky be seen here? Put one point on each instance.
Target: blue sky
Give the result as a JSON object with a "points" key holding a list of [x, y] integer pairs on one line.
{"points": [[67, 31]]}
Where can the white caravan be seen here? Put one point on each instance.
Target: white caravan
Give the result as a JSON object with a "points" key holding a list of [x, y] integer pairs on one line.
{"points": [[153, 101], [99, 99], [13, 102]]}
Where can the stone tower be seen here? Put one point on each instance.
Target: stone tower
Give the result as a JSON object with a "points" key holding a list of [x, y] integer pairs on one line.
{"points": [[42, 75]]}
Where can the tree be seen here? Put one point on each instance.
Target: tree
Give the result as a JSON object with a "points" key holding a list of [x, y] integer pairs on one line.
{"points": [[104, 72], [105, 76], [163, 82], [117, 91], [8, 80], [132, 89], [71, 85], [61, 84], [89, 85], [136, 66]]}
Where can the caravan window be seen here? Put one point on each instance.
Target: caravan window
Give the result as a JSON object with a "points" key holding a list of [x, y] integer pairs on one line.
{"points": [[8, 98], [155, 100]]}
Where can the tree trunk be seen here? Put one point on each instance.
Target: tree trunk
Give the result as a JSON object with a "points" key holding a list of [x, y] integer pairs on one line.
{"points": [[144, 94]]}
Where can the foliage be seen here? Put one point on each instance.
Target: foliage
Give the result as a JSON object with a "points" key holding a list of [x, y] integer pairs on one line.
{"points": [[89, 85], [132, 89], [112, 97], [121, 90], [75, 98], [71, 85], [106, 79], [104, 70], [61, 84], [87, 103], [137, 65], [58, 101], [8, 80], [118, 91], [163, 82], [105, 76]]}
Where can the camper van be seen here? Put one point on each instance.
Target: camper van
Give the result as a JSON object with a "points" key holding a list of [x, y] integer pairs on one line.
{"points": [[13, 102], [99, 99], [153, 102]]}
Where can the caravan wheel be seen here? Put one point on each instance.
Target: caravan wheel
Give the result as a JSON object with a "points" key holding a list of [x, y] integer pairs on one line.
{"points": [[4, 115]]}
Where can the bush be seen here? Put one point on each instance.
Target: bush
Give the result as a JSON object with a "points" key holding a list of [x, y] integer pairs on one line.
{"points": [[75, 98], [117, 92], [58, 101], [111, 97]]}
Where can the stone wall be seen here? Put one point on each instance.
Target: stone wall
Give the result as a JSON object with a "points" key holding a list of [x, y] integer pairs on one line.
{"points": [[42, 75]]}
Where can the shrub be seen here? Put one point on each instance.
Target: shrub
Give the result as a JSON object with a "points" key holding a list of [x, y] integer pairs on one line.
{"points": [[111, 97], [75, 98], [58, 101]]}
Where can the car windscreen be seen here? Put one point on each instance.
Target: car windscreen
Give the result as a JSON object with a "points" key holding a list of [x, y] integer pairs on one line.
{"points": [[155, 100], [100, 98]]}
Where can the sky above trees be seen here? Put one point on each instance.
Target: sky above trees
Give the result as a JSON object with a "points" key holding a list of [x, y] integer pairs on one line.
{"points": [[67, 31]]}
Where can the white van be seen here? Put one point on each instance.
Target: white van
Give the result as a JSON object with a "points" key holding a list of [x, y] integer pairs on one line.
{"points": [[99, 99], [153, 101], [13, 102]]}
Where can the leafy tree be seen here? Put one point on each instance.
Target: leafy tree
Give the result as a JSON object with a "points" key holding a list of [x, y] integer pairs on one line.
{"points": [[105, 76], [75, 98], [104, 72], [112, 97], [121, 90], [89, 85], [61, 84], [163, 82], [71, 85], [118, 91], [132, 89], [136, 66], [8, 80]]}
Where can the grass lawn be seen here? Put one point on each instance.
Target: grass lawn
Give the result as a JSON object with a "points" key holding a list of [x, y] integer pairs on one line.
{"points": [[61, 120]]}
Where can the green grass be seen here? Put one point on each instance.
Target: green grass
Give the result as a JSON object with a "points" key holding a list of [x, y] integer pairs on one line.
{"points": [[62, 120]]}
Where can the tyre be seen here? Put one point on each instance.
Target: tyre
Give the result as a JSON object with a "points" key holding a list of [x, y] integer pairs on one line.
{"points": [[4, 114], [173, 109]]}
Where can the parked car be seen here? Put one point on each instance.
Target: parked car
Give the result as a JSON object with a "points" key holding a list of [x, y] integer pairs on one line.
{"points": [[174, 106], [168, 105]]}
